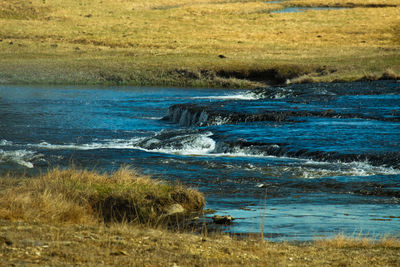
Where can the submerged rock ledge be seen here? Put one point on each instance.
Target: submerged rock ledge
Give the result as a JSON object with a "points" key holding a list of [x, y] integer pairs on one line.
{"points": [[197, 115]]}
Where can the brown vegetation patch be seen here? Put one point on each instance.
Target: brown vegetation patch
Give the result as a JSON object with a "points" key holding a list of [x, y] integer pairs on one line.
{"points": [[73, 196]]}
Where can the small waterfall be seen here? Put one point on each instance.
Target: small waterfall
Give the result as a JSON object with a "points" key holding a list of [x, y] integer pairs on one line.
{"points": [[193, 115], [188, 115]]}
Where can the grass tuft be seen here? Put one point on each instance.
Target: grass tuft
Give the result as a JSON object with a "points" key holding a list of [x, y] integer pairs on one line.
{"points": [[81, 196], [341, 241]]}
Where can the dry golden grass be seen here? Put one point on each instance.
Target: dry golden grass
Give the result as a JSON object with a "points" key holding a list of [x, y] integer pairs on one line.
{"points": [[26, 243], [73, 196], [342, 241], [54, 219], [173, 42]]}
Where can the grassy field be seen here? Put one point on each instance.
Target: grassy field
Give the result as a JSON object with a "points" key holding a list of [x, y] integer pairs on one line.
{"points": [[218, 43], [73, 217]]}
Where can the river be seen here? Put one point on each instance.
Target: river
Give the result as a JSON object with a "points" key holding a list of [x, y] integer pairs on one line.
{"points": [[300, 161]]}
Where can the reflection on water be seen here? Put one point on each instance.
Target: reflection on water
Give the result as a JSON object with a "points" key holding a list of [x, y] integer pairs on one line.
{"points": [[300, 9], [303, 9], [313, 160]]}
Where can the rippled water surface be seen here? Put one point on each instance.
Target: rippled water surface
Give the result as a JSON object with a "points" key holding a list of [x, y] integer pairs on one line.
{"points": [[313, 160]]}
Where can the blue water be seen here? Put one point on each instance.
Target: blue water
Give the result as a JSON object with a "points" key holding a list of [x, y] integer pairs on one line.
{"points": [[299, 9], [303, 9], [309, 176]]}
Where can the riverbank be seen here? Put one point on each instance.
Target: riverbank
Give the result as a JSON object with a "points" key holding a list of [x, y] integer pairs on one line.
{"points": [[229, 44], [52, 220], [38, 244]]}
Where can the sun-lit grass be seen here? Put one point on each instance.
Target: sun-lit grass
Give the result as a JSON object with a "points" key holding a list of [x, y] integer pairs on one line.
{"points": [[126, 245], [74, 196], [342, 241], [61, 217], [151, 42]]}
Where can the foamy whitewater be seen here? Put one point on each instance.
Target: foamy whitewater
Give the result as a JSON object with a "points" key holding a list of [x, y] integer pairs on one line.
{"points": [[316, 160], [238, 96], [204, 145], [23, 158]]}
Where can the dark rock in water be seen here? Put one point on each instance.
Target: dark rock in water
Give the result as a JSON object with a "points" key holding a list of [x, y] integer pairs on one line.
{"points": [[188, 115], [195, 115], [176, 140], [388, 159], [377, 191], [227, 219], [325, 90]]}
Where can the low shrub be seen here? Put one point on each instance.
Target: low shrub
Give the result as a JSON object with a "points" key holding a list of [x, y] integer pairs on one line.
{"points": [[81, 196]]}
